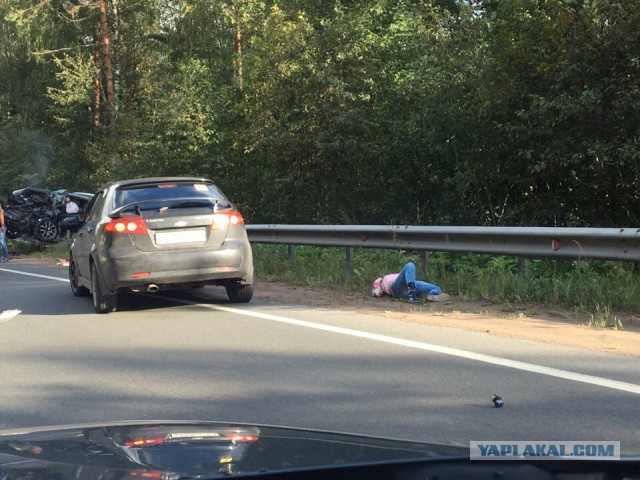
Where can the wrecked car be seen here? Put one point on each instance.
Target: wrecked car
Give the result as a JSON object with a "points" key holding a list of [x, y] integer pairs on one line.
{"points": [[37, 213]]}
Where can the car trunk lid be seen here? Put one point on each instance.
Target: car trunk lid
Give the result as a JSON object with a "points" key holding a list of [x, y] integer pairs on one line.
{"points": [[177, 216]]}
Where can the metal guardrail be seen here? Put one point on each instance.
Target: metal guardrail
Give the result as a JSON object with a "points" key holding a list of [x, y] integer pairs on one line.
{"points": [[530, 242]]}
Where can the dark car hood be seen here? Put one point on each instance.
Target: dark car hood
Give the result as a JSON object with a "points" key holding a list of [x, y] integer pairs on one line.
{"points": [[47, 197], [38, 195], [176, 449], [52, 199]]}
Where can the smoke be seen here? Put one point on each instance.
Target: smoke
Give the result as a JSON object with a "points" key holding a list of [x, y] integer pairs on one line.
{"points": [[40, 156], [25, 158]]}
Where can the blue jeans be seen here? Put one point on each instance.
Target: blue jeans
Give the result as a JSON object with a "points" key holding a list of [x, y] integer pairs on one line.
{"points": [[399, 288], [3, 243]]}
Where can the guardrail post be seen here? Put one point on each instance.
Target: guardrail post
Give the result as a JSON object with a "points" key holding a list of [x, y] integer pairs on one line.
{"points": [[424, 256], [523, 267], [291, 252], [349, 260]]}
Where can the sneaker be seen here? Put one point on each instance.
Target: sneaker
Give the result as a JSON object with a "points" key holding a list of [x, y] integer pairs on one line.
{"points": [[413, 295], [443, 297]]}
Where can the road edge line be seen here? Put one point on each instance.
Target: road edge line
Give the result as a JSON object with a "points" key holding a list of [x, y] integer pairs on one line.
{"points": [[479, 357]]}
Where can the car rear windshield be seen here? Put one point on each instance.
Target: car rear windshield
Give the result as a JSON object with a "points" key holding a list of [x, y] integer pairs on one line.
{"points": [[164, 191]]}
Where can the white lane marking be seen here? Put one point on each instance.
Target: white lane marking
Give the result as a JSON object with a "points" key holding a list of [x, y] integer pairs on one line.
{"points": [[8, 315], [478, 357], [66, 280]]}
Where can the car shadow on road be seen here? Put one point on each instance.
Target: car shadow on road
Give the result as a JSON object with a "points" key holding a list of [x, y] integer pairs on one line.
{"points": [[42, 291], [139, 302], [61, 302], [57, 300], [136, 302]]}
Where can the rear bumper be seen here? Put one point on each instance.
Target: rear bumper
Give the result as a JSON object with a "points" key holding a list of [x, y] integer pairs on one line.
{"points": [[232, 261]]}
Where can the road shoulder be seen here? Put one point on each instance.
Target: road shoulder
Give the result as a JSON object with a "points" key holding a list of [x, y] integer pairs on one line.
{"points": [[540, 323]]}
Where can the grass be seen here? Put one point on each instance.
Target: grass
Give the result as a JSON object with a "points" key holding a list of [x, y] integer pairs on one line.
{"points": [[595, 288], [603, 318], [39, 250], [323, 267]]}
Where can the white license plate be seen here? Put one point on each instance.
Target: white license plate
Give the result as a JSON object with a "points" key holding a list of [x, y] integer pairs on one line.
{"points": [[181, 236]]}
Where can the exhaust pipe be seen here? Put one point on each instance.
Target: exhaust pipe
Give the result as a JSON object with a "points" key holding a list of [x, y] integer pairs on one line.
{"points": [[152, 288]]}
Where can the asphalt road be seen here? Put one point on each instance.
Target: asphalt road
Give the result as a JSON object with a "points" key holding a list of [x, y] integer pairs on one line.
{"points": [[193, 356]]}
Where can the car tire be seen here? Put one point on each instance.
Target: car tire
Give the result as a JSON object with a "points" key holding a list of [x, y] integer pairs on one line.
{"points": [[240, 293], [102, 302], [46, 231], [77, 289]]}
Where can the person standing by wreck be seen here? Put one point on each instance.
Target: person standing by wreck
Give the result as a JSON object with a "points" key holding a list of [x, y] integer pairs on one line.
{"points": [[4, 251]]}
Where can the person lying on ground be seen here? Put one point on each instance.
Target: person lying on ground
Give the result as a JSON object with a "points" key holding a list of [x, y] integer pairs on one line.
{"points": [[405, 285]]}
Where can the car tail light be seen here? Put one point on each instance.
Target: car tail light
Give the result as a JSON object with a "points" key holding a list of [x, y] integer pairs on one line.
{"points": [[134, 226], [147, 474], [225, 269], [242, 438], [222, 220], [144, 442], [140, 274]]}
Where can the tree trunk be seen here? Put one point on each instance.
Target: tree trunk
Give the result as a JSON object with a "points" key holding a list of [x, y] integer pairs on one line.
{"points": [[10, 87], [106, 54], [116, 43], [492, 210], [239, 55], [4, 101], [96, 80]]}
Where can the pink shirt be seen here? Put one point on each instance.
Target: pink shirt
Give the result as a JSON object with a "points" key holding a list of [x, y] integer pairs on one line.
{"points": [[387, 281], [383, 285]]}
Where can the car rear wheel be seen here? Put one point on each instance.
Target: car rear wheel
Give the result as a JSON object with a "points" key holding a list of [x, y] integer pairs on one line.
{"points": [[77, 289], [102, 302], [46, 231], [240, 293]]}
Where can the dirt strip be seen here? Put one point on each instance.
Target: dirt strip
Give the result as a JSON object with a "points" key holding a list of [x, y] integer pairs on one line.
{"points": [[541, 323]]}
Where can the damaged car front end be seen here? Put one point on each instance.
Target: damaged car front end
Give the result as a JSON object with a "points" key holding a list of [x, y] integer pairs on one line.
{"points": [[38, 214]]}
